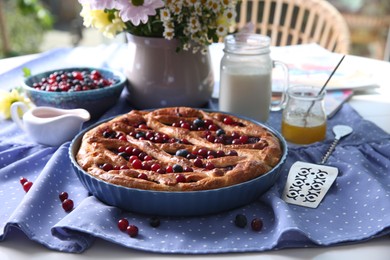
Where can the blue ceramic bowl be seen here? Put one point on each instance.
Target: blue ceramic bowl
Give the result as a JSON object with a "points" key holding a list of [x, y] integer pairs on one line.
{"points": [[188, 203], [95, 101]]}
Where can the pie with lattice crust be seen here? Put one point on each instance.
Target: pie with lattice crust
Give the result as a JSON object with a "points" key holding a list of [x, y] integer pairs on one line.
{"points": [[178, 149]]}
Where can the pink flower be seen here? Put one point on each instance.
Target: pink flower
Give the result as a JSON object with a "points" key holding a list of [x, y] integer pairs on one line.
{"points": [[137, 13], [100, 4]]}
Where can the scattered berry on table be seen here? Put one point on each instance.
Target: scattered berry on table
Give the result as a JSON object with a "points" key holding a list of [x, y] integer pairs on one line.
{"points": [[257, 224], [23, 180], [63, 196], [154, 222], [240, 220], [67, 205], [123, 224], [27, 185], [132, 230]]}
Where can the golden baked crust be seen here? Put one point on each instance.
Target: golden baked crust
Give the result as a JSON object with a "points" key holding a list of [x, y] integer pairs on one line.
{"points": [[178, 149]]}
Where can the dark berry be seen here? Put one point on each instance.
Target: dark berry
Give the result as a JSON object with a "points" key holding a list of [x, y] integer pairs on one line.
{"points": [[202, 152], [67, 205], [169, 169], [149, 135], [182, 152], [135, 151], [236, 141], [107, 167], [210, 138], [109, 134], [220, 132], [240, 220], [220, 153], [232, 153], [124, 155], [77, 80], [147, 158], [27, 185], [187, 169], [191, 156], [141, 156], [23, 180], [185, 125], [177, 168], [146, 166], [209, 166], [257, 224], [158, 139], [136, 164], [123, 224], [128, 150], [253, 140], [207, 122], [213, 127], [211, 153], [184, 141], [132, 230], [198, 163], [244, 139], [142, 176], [228, 120], [154, 222], [162, 170], [63, 196], [180, 178], [121, 149], [198, 122], [138, 135], [133, 158], [155, 167], [235, 135], [143, 126], [95, 75]]}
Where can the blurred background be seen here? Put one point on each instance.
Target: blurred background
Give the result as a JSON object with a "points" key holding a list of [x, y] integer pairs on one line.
{"points": [[31, 26]]}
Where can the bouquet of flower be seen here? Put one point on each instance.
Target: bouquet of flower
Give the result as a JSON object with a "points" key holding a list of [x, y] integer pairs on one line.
{"points": [[195, 23]]}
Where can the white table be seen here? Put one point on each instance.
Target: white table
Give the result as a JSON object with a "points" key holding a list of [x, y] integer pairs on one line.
{"points": [[373, 105]]}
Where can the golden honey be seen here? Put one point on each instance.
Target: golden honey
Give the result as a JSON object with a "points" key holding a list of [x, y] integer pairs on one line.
{"points": [[301, 134], [304, 118]]}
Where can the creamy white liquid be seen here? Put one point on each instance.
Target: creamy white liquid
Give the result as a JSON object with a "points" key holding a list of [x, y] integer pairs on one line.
{"points": [[246, 94]]}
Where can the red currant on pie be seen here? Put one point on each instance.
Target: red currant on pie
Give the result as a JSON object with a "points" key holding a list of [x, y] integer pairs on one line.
{"points": [[178, 149]]}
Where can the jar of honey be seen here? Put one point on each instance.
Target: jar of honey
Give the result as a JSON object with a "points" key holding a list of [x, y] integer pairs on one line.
{"points": [[304, 117]]}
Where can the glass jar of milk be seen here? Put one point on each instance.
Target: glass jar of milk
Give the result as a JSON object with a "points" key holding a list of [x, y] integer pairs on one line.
{"points": [[245, 76]]}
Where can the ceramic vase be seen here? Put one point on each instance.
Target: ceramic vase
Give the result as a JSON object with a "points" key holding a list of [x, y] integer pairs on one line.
{"points": [[160, 76]]}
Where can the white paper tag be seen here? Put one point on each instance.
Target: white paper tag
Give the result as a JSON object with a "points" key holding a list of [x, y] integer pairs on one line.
{"points": [[307, 183]]}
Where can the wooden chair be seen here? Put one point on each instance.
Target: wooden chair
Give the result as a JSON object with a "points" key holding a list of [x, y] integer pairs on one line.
{"points": [[291, 22], [370, 31]]}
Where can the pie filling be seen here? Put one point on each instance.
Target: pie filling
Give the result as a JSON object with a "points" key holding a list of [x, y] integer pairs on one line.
{"points": [[178, 149]]}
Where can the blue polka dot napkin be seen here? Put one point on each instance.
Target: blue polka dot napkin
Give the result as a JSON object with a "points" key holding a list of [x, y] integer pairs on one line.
{"points": [[356, 208]]}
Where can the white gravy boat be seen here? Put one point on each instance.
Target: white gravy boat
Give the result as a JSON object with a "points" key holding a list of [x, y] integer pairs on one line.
{"points": [[48, 125]]}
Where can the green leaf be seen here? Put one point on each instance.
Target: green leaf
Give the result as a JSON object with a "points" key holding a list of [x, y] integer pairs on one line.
{"points": [[26, 72]]}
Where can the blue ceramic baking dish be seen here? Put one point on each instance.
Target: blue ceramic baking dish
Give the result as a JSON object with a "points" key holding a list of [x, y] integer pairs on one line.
{"points": [[187, 203]]}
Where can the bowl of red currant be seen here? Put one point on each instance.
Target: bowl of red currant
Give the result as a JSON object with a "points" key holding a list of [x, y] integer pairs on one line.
{"points": [[94, 89]]}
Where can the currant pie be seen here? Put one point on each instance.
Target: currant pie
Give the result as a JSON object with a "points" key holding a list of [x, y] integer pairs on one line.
{"points": [[178, 149]]}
